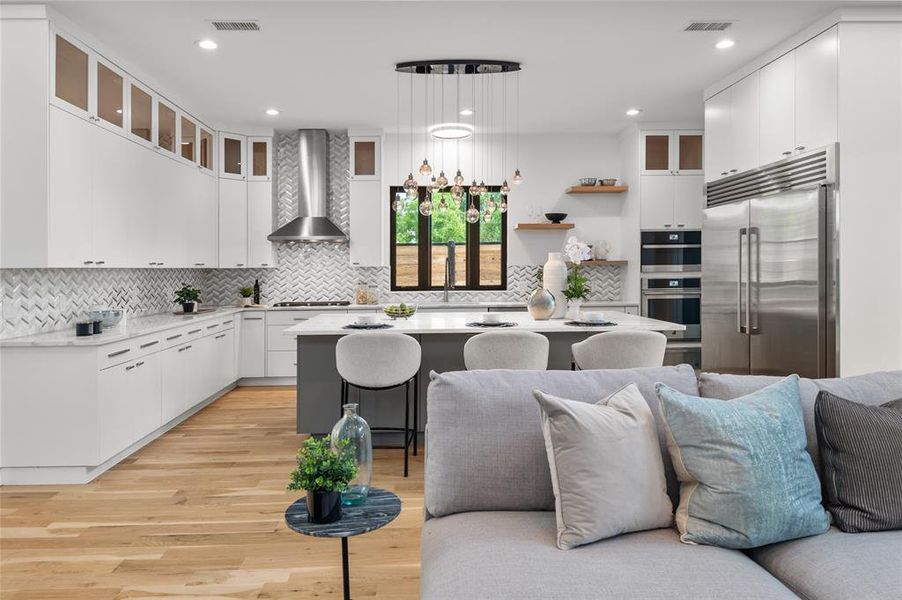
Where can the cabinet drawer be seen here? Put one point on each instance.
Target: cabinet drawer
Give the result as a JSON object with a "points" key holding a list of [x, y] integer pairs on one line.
{"points": [[278, 340], [281, 364], [293, 317], [127, 350]]}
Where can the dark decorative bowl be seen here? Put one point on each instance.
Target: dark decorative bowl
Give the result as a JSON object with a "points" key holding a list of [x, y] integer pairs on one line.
{"points": [[555, 217]]}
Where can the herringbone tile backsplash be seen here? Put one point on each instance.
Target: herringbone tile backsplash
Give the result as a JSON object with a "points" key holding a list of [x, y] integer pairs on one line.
{"points": [[36, 300]]}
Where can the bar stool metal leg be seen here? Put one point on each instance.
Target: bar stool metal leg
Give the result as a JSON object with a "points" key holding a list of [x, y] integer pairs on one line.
{"points": [[406, 423], [416, 411]]}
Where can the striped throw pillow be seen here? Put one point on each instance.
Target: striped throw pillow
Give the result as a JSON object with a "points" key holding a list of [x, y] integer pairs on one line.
{"points": [[861, 460]]}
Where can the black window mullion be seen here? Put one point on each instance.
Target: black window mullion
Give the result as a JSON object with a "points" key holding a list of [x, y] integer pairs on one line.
{"points": [[424, 245], [473, 254]]}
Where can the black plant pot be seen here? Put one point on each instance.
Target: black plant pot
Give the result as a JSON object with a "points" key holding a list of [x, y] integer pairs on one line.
{"points": [[323, 507], [188, 307]]}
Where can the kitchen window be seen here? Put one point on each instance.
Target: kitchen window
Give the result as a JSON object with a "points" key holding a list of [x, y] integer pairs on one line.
{"points": [[421, 246]]}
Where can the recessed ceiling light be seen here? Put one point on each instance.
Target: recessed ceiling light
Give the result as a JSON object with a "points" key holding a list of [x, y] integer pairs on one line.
{"points": [[207, 44], [272, 111], [724, 44], [466, 112], [632, 112]]}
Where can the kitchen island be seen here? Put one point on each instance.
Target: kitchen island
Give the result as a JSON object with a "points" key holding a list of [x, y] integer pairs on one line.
{"points": [[441, 335]]}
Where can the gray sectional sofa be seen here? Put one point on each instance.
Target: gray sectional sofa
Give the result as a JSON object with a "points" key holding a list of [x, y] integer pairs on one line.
{"points": [[490, 524]]}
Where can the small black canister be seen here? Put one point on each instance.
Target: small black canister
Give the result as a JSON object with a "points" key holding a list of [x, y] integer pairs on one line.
{"points": [[97, 326], [83, 328]]}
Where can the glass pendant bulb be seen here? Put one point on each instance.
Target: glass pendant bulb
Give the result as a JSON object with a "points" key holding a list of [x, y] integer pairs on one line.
{"points": [[517, 179], [487, 217], [459, 178], [482, 188], [442, 181], [503, 206], [472, 214], [425, 168], [431, 185], [396, 204], [412, 194], [426, 207], [410, 184], [505, 188], [442, 205], [490, 206], [474, 188]]}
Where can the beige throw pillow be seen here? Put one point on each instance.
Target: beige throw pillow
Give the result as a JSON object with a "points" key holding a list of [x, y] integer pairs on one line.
{"points": [[606, 467]]}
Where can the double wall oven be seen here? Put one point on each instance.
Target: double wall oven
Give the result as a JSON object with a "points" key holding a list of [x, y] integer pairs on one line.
{"points": [[672, 290]]}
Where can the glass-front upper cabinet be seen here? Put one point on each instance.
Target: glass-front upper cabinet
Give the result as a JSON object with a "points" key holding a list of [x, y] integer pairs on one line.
{"points": [[260, 158], [71, 75], [188, 139], [110, 96], [205, 149], [165, 127], [672, 152], [232, 152], [141, 112], [366, 154]]}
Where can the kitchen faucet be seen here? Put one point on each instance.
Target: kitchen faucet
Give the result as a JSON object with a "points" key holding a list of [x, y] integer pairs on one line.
{"points": [[449, 271]]}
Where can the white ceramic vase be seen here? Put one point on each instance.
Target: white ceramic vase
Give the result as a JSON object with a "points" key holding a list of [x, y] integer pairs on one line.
{"points": [[554, 279]]}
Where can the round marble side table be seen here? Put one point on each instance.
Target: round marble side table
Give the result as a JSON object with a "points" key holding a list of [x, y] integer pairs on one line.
{"points": [[380, 508]]}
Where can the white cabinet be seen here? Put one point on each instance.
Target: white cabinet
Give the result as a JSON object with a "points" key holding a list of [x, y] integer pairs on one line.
{"points": [[70, 222], [731, 129], [113, 159], [259, 223], [252, 353], [672, 152], [129, 403], [672, 202], [245, 201], [816, 66], [232, 223], [366, 199], [777, 102], [223, 366]]}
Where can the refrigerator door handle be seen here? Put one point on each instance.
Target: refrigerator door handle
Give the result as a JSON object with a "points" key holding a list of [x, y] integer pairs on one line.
{"points": [[739, 326], [752, 326]]}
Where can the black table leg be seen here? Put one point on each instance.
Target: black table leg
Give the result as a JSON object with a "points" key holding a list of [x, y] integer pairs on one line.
{"points": [[344, 568]]}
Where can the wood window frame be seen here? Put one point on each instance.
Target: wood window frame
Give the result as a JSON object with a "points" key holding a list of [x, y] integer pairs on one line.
{"points": [[424, 250]]}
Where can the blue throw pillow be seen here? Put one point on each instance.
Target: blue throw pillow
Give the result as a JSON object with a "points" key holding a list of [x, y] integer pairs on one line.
{"points": [[746, 479]]}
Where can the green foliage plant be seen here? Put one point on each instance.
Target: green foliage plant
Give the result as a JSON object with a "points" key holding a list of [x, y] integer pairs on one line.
{"points": [[322, 468]]}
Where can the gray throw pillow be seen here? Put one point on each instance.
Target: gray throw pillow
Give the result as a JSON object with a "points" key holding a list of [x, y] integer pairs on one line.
{"points": [[746, 479], [606, 467], [861, 460]]}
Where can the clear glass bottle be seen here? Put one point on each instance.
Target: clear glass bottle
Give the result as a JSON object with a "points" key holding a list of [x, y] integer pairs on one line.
{"points": [[353, 428]]}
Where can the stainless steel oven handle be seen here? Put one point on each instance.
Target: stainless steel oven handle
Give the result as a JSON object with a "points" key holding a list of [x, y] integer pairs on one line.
{"points": [[739, 326], [669, 246], [672, 296]]}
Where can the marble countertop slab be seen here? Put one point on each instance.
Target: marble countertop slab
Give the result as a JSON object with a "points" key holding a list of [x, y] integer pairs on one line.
{"points": [[456, 322]]}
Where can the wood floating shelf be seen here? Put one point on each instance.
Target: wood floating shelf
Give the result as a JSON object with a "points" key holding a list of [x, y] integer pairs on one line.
{"points": [[598, 263], [597, 189], [543, 226]]}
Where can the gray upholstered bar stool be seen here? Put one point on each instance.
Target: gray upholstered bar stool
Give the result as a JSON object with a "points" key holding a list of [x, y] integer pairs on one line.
{"points": [[620, 350], [506, 350], [378, 360]]}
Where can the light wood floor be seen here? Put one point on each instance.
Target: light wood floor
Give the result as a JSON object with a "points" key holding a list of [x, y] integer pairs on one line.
{"points": [[198, 513]]}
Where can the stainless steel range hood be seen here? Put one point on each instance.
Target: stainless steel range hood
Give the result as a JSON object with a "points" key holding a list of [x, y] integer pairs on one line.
{"points": [[312, 223]]}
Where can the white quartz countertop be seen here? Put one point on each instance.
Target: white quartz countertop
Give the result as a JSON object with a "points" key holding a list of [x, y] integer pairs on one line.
{"points": [[134, 327], [456, 322]]}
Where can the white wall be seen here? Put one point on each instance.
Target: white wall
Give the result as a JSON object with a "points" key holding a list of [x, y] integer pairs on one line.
{"points": [[550, 163], [870, 202]]}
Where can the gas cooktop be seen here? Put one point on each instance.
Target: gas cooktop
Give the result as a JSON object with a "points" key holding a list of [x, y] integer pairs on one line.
{"points": [[314, 303]]}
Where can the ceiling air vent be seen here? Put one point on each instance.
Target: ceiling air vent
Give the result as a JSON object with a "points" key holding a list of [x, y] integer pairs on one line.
{"points": [[235, 25], [708, 26]]}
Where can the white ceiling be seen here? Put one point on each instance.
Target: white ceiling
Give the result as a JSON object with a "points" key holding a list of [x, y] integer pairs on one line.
{"points": [[330, 64]]}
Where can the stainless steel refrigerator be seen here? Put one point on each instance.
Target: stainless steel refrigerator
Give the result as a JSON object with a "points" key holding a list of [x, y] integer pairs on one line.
{"points": [[769, 269]]}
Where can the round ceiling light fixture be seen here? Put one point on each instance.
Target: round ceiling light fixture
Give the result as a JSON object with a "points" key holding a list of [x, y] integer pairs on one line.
{"points": [[632, 112], [724, 44], [207, 44], [451, 131]]}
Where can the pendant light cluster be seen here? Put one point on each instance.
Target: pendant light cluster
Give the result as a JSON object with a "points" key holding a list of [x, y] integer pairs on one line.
{"points": [[442, 83]]}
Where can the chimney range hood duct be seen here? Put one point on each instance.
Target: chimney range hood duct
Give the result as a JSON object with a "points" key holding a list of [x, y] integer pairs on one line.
{"points": [[312, 223]]}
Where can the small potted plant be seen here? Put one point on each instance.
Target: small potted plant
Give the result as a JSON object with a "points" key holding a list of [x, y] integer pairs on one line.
{"points": [[324, 473], [246, 293], [188, 297]]}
